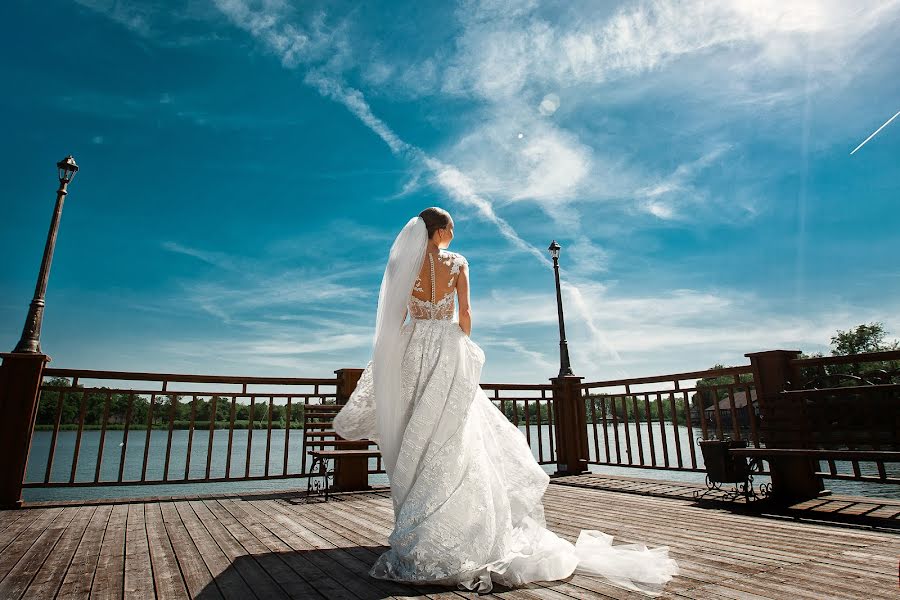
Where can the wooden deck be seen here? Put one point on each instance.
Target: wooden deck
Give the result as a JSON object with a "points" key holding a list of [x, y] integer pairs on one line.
{"points": [[882, 513], [276, 546]]}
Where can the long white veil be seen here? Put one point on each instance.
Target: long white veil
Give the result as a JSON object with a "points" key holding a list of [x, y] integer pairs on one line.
{"points": [[407, 254]]}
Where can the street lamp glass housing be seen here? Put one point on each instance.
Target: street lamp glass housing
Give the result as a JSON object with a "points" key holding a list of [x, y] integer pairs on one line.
{"points": [[67, 169], [554, 249]]}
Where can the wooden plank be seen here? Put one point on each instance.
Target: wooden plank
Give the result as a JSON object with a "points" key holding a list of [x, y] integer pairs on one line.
{"points": [[19, 577], [80, 575], [651, 534], [685, 489], [716, 591], [780, 587], [371, 540], [109, 576], [138, 581], [848, 585], [311, 517], [711, 531], [18, 542], [788, 530], [631, 508], [227, 579], [314, 548], [826, 558], [325, 549], [257, 578], [49, 578], [270, 562], [299, 563], [167, 578], [736, 537], [198, 578], [576, 586], [9, 517], [383, 525]]}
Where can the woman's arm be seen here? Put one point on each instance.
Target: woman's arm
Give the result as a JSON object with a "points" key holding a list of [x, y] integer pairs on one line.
{"points": [[462, 295]]}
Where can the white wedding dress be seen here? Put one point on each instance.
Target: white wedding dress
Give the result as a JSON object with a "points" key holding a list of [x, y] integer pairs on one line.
{"points": [[466, 488]]}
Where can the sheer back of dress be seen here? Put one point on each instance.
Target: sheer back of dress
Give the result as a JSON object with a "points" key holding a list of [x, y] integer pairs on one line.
{"points": [[433, 294]]}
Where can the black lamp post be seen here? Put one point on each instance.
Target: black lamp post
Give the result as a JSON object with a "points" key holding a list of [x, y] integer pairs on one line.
{"points": [[564, 367], [30, 342]]}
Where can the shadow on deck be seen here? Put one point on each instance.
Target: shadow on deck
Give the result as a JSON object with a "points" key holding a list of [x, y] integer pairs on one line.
{"points": [[273, 545], [881, 513]]}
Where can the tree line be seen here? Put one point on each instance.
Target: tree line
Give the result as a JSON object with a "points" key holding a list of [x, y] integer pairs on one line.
{"points": [[176, 407], [870, 337]]}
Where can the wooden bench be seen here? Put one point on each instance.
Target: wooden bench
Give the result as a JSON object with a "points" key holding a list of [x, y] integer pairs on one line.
{"points": [[340, 465], [846, 423], [795, 479]]}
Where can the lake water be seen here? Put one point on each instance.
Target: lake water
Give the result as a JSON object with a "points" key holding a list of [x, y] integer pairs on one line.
{"points": [[90, 443]]}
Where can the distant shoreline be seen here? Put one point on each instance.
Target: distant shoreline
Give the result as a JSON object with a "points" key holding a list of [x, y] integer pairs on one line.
{"points": [[177, 425]]}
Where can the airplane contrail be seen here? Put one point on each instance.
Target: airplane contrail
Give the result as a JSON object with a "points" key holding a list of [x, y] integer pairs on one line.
{"points": [[876, 133]]}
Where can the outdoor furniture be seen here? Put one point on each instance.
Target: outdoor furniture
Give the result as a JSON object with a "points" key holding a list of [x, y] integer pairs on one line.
{"points": [[794, 479], [342, 468], [723, 466], [801, 427]]}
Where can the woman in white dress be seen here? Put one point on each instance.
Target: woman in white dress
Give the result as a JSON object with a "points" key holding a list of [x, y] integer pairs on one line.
{"points": [[466, 488]]}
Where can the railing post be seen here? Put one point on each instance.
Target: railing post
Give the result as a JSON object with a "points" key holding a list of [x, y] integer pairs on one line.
{"points": [[350, 474], [570, 426], [20, 386], [347, 380], [782, 425]]}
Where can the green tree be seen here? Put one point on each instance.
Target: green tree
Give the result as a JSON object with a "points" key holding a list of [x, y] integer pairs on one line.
{"points": [[864, 338], [868, 337], [48, 403]]}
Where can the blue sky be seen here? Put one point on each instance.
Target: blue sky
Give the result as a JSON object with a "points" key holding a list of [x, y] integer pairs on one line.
{"points": [[245, 166]]}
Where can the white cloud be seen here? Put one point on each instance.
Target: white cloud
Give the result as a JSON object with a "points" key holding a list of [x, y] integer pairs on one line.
{"points": [[733, 59], [272, 22], [164, 24], [134, 17], [546, 164], [633, 334], [662, 197], [356, 104], [217, 259], [499, 58], [275, 349], [242, 286], [509, 62]]}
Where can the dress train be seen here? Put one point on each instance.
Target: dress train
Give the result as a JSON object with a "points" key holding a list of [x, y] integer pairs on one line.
{"points": [[466, 488]]}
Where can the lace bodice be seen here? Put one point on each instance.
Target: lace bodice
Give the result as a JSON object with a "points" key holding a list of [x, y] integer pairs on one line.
{"points": [[437, 308]]}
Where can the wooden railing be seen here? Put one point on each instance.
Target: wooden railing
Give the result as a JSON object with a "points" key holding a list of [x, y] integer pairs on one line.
{"points": [[530, 408], [135, 421], [132, 419], [106, 428], [844, 403], [658, 418]]}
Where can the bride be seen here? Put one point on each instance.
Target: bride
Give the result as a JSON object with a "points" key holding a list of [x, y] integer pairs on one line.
{"points": [[465, 486]]}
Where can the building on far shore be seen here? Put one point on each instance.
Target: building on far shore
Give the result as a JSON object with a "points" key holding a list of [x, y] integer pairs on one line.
{"points": [[740, 405]]}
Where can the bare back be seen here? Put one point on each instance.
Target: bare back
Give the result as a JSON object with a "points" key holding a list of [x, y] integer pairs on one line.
{"points": [[439, 278]]}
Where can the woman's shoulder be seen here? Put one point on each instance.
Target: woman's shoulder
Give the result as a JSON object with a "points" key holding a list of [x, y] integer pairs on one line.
{"points": [[454, 260]]}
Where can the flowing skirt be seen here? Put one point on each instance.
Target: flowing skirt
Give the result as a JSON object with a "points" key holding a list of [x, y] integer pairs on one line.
{"points": [[467, 490]]}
